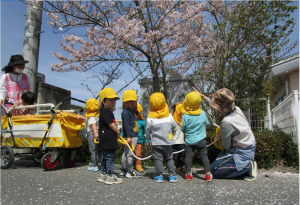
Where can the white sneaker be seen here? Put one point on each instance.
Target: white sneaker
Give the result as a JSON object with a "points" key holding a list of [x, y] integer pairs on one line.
{"points": [[123, 172], [253, 172], [113, 180], [133, 175], [102, 177]]}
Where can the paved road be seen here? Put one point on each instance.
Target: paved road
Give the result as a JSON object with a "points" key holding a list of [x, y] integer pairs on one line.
{"points": [[27, 183]]}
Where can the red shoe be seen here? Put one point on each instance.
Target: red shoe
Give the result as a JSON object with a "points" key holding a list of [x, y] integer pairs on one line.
{"points": [[188, 176], [209, 177]]}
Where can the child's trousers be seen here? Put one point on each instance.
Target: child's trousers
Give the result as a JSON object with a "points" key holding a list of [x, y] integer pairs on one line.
{"points": [[178, 158], [108, 162], [161, 153], [127, 157], [202, 151], [95, 153], [138, 153]]}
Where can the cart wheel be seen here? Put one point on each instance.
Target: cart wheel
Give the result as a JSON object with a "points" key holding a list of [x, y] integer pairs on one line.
{"points": [[7, 157], [68, 163], [46, 164]]}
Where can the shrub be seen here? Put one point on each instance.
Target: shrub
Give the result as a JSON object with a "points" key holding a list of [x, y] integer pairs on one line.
{"points": [[275, 148]]}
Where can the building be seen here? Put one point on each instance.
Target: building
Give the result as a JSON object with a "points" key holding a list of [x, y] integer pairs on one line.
{"points": [[285, 78], [285, 99]]}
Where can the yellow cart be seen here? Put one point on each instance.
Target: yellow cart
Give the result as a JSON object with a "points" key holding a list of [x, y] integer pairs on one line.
{"points": [[44, 136]]}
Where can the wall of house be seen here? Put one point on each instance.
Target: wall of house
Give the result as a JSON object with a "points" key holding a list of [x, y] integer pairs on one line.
{"points": [[279, 90], [294, 81]]}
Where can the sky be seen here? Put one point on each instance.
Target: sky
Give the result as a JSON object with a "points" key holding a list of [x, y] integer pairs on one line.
{"points": [[12, 31]]}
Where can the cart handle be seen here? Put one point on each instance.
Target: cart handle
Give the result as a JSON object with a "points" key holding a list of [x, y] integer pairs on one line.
{"points": [[67, 98], [31, 106]]}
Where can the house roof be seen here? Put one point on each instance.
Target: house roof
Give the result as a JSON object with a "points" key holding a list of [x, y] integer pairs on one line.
{"points": [[285, 65]]}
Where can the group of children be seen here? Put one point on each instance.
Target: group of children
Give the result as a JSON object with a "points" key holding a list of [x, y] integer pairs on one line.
{"points": [[185, 128]]}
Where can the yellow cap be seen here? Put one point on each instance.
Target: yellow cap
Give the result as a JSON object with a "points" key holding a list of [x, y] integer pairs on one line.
{"points": [[92, 108], [107, 93], [177, 114], [129, 95], [140, 110], [158, 106], [191, 104]]}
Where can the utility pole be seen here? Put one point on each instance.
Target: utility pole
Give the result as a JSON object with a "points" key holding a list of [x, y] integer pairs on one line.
{"points": [[31, 43]]}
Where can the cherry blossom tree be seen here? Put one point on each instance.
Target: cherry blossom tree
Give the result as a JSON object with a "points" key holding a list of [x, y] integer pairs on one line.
{"points": [[246, 38], [148, 35]]}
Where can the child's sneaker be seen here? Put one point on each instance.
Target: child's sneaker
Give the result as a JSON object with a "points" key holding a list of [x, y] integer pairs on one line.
{"points": [[208, 177], [253, 172], [182, 169], [158, 178], [173, 178], [113, 180], [133, 175], [189, 176], [94, 169], [177, 169], [123, 172], [139, 168], [102, 177]]}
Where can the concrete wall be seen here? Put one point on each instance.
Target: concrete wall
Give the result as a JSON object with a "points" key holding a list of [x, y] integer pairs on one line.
{"points": [[178, 88], [51, 94]]}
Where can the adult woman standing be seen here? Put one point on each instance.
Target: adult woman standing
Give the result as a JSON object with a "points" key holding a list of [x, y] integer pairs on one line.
{"points": [[14, 82], [236, 160]]}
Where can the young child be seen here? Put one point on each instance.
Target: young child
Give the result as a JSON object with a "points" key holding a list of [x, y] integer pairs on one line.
{"points": [[193, 123], [28, 98], [178, 138], [159, 128], [130, 132], [92, 115], [138, 149], [108, 135]]}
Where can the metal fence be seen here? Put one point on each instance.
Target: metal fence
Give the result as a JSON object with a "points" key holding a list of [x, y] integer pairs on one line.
{"points": [[286, 115], [255, 110]]}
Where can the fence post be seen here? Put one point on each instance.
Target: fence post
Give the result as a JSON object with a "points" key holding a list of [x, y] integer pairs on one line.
{"points": [[249, 111], [296, 115], [269, 114]]}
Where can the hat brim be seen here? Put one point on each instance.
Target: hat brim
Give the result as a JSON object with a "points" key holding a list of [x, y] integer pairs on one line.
{"points": [[130, 99], [21, 62]]}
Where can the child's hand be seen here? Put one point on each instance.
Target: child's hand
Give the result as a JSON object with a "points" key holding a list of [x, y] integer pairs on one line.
{"points": [[129, 140], [147, 144], [96, 136]]}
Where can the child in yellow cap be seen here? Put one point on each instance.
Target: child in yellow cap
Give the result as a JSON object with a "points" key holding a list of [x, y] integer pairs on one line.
{"points": [[92, 117], [108, 136], [178, 139], [159, 127], [138, 149], [193, 123], [130, 133]]}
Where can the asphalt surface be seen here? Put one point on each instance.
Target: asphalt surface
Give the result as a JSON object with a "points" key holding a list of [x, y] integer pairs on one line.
{"points": [[27, 183]]}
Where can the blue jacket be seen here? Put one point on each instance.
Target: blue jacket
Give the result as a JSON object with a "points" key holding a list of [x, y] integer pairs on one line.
{"points": [[130, 125]]}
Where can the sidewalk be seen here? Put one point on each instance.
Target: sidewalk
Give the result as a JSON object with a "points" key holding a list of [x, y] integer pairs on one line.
{"points": [[27, 183]]}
